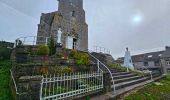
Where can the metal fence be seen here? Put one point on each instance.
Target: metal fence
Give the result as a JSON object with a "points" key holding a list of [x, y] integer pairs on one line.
{"points": [[101, 50], [31, 40], [34, 40], [67, 86]]}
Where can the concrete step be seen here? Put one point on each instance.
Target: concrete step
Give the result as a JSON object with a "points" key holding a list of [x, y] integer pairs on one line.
{"points": [[115, 96], [127, 79], [120, 73], [129, 83], [124, 76], [133, 82], [115, 70]]}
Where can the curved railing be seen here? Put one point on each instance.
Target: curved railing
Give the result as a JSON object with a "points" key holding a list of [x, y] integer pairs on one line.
{"points": [[16, 88], [99, 62], [150, 72]]}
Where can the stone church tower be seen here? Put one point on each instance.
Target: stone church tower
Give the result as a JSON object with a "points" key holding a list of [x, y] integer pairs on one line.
{"points": [[67, 26]]}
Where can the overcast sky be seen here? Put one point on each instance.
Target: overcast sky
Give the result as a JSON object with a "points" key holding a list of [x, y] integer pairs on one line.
{"points": [[141, 25]]}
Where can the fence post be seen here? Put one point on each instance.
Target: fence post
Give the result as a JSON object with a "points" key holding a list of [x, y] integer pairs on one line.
{"points": [[106, 82]]}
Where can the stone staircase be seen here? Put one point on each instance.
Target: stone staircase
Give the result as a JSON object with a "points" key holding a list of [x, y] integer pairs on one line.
{"points": [[125, 81], [128, 79]]}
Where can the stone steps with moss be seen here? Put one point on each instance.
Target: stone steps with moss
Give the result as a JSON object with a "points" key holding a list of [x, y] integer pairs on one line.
{"points": [[133, 82], [124, 76]]}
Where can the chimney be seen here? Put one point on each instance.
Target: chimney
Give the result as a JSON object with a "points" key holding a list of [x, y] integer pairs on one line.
{"points": [[167, 47]]}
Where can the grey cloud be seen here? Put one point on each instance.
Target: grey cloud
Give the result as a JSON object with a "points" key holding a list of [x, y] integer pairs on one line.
{"points": [[110, 22]]}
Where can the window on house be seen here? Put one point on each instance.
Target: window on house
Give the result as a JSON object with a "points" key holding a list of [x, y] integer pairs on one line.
{"points": [[168, 62], [168, 71], [146, 64], [150, 56], [160, 55]]}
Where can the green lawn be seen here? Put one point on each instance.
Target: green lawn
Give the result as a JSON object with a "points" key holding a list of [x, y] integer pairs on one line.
{"points": [[4, 80], [153, 91]]}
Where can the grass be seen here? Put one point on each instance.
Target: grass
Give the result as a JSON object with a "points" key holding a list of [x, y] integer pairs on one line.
{"points": [[5, 93], [153, 91]]}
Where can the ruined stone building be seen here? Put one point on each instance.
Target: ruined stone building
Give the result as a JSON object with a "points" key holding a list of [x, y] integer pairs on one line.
{"points": [[67, 26]]}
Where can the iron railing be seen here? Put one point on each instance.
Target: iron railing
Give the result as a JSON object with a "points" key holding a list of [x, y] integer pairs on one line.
{"points": [[98, 64], [31, 40], [70, 85], [147, 70], [101, 49]]}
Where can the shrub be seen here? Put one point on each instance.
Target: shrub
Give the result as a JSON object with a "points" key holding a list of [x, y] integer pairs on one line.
{"points": [[51, 45], [73, 54], [43, 50], [82, 59], [168, 77], [5, 53], [62, 69], [44, 70], [59, 55]]}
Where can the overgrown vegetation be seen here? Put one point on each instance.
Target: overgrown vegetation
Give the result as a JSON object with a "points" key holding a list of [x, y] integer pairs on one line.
{"points": [[5, 53], [5, 66], [62, 69], [80, 57], [43, 50], [5, 50], [153, 91], [138, 73], [118, 67], [51, 45]]}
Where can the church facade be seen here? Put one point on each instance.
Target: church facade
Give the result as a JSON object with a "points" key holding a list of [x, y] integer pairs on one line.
{"points": [[67, 26]]}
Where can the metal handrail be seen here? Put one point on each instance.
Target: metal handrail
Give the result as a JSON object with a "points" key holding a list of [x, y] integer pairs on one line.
{"points": [[31, 40], [146, 69], [106, 68], [16, 89]]}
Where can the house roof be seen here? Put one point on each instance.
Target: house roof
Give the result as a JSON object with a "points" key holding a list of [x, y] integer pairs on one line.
{"points": [[152, 56], [138, 58]]}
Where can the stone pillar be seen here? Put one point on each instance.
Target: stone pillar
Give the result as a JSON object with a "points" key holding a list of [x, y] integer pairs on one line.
{"points": [[29, 87], [163, 65], [106, 82]]}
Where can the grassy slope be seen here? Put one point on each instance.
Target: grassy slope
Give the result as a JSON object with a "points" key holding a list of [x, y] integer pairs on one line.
{"points": [[152, 92], [4, 80]]}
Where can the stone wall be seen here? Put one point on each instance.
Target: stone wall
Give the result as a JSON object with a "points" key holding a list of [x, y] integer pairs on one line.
{"points": [[28, 88]]}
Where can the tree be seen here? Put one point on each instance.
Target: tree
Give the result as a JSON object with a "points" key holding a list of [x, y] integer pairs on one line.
{"points": [[51, 45]]}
